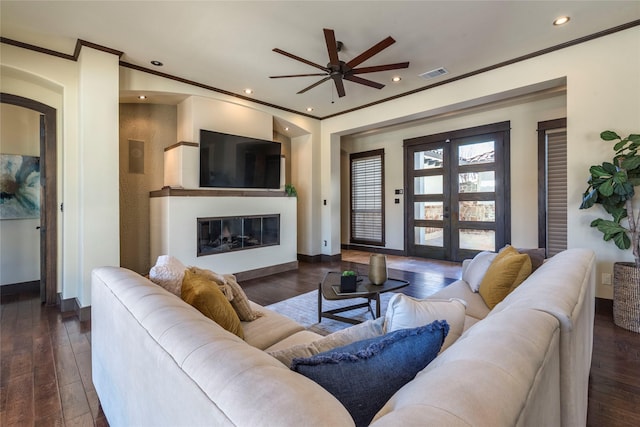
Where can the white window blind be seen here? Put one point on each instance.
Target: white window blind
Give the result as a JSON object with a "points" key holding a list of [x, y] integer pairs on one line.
{"points": [[367, 201], [556, 191]]}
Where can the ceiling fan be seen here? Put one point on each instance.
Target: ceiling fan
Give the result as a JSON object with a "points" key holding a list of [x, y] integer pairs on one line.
{"points": [[339, 70]]}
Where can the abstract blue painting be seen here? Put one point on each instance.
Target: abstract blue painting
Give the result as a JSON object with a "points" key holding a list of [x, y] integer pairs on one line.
{"points": [[19, 186]]}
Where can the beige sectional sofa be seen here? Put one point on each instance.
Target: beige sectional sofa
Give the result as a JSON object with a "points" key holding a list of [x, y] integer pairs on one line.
{"points": [[158, 361]]}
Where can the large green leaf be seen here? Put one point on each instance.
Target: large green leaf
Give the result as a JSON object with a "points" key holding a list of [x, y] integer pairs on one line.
{"points": [[598, 171], [631, 162], [622, 241], [619, 145], [618, 212], [619, 177], [609, 135], [606, 189], [612, 230], [589, 198], [610, 168]]}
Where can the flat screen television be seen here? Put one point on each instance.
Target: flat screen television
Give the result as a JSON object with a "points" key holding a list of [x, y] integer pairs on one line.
{"points": [[233, 161]]}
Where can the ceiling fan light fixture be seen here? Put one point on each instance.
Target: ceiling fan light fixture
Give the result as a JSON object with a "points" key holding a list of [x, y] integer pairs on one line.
{"points": [[337, 70], [561, 20]]}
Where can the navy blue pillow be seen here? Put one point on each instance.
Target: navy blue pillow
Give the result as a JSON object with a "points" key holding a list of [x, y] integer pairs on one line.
{"points": [[364, 375]]}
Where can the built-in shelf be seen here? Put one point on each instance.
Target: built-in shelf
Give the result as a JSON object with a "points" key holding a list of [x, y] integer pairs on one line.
{"points": [[201, 192]]}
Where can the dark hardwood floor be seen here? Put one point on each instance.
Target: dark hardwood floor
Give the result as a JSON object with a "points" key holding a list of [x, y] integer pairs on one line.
{"points": [[45, 357]]}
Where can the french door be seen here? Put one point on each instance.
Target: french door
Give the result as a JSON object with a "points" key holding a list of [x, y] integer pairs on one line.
{"points": [[457, 189]]}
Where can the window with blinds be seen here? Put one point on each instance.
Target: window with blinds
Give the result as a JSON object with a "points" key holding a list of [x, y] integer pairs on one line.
{"points": [[556, 191], [367, 197], [552, 186]]}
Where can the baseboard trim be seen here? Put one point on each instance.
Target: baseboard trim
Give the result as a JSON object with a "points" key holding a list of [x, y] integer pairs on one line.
{"points": [[374, 249], [604, 306], [71, 304], [319, 258], [266, 271], [18, 288]]}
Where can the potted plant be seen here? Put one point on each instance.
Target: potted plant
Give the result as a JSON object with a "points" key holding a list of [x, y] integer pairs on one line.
{"points": [[290, 190], [612, 185], [348, 281]]}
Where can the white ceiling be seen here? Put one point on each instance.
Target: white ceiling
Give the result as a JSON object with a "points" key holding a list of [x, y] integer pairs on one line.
{"points": [[228, 44]]}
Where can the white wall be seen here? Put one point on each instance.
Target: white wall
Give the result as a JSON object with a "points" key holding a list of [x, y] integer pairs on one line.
{"points": [[599, 96], [85, 96], [19, 238], [51, 81], [524, 115], [305, 142], [100, 171]]}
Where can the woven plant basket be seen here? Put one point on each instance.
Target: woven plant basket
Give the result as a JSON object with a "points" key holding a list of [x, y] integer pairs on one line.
{"points": [[626, 296]]}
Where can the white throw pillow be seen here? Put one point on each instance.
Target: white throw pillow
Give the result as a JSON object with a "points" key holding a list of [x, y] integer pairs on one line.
{"points": [[404, 312], [168, 273], [362, 331], [477, 268]]}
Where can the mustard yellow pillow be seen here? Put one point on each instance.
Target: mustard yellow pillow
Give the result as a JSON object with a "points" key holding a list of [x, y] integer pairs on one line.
{"points": [[505, 273], [204, 295]]}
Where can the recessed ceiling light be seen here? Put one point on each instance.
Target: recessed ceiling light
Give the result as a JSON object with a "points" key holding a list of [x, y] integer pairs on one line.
{"points": [[561, 20], [286, 129], [309, 109], [142, 97], [396, 79], [248, 91], [157, 63]]}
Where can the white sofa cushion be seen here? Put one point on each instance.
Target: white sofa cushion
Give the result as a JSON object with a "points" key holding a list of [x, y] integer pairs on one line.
{"points": [[475, 271], [362, 331], [405, 312], [476, 307]]}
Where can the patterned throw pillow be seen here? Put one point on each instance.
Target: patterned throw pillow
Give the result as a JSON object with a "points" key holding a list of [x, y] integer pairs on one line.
{"points": [[364, 375], [168, 273]]}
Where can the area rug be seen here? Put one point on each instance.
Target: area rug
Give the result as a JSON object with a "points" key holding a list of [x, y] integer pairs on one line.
{"points": [[304, 310]]}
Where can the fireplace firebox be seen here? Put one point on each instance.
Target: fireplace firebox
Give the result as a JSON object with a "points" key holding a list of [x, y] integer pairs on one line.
{"points": [[234, 233]]}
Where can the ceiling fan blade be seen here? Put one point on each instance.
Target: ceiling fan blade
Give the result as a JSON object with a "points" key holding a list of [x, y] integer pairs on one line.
{"points": [[362, 81], [377, 68], [297, 58], [298, 75], [314, 85], [370, 52], [339, 86], [332, 46]]}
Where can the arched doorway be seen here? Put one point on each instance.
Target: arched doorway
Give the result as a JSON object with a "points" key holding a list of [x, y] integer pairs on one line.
{"points": [[48, 200]]}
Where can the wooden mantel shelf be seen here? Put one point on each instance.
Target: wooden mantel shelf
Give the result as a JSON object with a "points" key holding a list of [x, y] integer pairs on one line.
{"points": [[182, 192]]}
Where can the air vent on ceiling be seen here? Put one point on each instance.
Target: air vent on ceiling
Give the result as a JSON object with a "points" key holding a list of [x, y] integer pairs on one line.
{"points": [[434, 73]]}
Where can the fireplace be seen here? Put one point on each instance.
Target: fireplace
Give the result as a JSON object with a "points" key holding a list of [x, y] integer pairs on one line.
{"points": [[235, 233]]}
